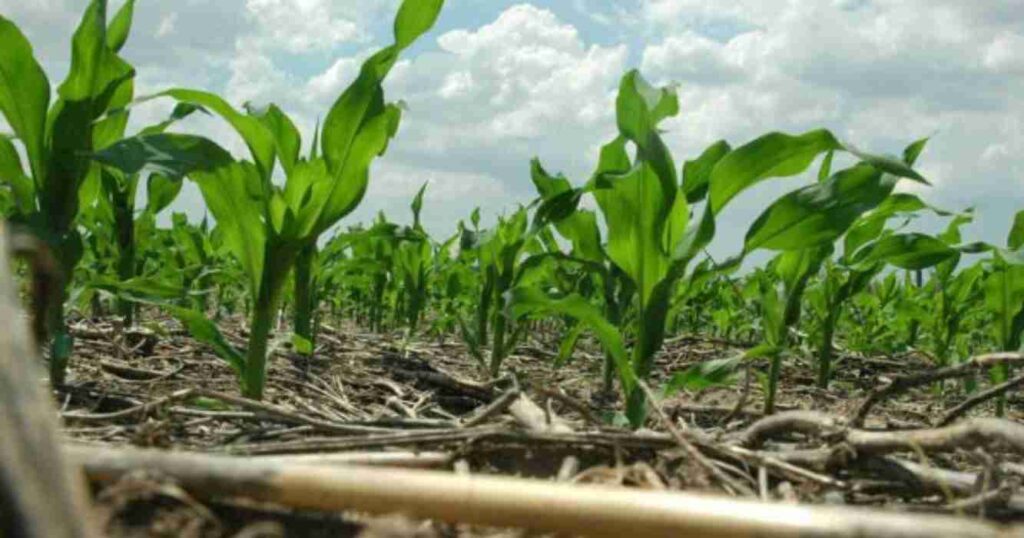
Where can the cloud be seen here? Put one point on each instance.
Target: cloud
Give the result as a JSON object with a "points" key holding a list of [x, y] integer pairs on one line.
{"points": [[880, 73], [499, 83], [167, 25], [299, 26], [482, 105]]}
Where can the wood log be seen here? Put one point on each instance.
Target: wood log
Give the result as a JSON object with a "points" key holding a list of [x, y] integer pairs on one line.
{"points": [[40, 495], [510, 502]]}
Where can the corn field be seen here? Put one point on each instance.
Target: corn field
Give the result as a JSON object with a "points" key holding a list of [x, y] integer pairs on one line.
{"points": [[278, 362]]}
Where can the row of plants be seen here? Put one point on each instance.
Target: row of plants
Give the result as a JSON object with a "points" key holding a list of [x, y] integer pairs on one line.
{"points": [[619, 261]]}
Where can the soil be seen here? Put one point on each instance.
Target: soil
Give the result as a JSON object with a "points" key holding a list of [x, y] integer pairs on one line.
{"points": [[379, 382]]}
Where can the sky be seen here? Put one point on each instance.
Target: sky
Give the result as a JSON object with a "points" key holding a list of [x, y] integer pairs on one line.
{"points": [[497, 83]]}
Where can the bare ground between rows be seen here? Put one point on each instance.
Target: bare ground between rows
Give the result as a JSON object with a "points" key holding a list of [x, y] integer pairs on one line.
{"points": [[427, 403]]}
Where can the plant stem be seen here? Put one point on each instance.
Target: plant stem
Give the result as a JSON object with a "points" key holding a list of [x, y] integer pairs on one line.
{"points": [[124, 223], [304, 300], [825, 352], [773, 382], [498, 343], [60, 345], [263, 317]]}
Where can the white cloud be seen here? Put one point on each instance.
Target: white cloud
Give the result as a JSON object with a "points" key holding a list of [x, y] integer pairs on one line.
{"points": [[484, 99], [167, 25], [300, 26], [880, 73]]}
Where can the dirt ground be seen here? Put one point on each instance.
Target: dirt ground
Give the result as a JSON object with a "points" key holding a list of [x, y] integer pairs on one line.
{"points": [[428, 404]]}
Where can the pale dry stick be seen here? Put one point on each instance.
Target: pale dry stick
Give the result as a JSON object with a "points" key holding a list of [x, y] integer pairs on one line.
{"points": [[807, 422], [546, 506], [41, 494], [140, 410], [574, 404], [903, 383], [980, 398], [129, 374], [707, 468], [766, 461], [252, 405], [989, 433], [403, 459], [987, 499], [288, 416], [498, 406], [394, 439]]}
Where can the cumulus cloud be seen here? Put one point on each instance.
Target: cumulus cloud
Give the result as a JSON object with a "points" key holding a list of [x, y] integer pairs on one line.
{"points": [[880, 73], [305, 25], [485, 93]]}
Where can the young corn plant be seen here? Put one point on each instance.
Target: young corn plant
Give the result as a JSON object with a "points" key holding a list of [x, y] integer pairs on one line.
{"points": [[58, 137], [265, 226], [652, 239], [414, 260], [498, 254], [1004, 297], [114, 202]]}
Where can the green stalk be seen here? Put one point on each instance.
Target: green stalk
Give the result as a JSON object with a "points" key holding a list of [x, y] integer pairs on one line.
{"points": [[915, 325], [825, 352], [124, 222], [304, 301], [264, 314], [498, 343], [60, 345], [773, 382]]}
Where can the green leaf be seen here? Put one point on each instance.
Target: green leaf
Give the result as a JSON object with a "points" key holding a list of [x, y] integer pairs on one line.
{"points": [[771, 155], [302, 345], [97, 80], [414, 18], [913, 151], [640, 107], [11, 174], [141, 289], [697, 173], [161, 191], [907, 251], [24, 95], [892, 165], [168, 154], [1015, 240], [417, 206], [362, 103], [820, 213], [254, 133], [287, 138], [561, 205], [826, 166], [206, 331], [120, 26], [568, 344], [715, 372], [1004, 297], [527, 301], [234, 195]]}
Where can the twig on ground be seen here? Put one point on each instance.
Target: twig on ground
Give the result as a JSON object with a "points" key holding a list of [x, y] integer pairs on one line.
{"points": [[711, 473], [498, 406], [979, 399], [809, 422], [907, 382]]}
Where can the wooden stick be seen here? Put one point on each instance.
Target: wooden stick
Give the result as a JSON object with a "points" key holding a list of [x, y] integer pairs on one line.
{"points": [[907, 382], [979, 399], [40, 495], [508, 502]]}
